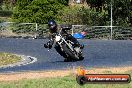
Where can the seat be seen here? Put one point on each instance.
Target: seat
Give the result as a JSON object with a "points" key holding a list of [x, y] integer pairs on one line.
{"points": [[66, 26]]}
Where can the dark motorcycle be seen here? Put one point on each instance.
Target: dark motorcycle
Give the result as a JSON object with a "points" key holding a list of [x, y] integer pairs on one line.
{"points": [[65, 46]]}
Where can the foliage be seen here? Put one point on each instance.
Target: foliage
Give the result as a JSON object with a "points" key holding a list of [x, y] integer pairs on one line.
{"points": [[94, 18], [7, 5], [69, 15], [1, 20], [122, 12], [39, 11], [81, 15], [96, 4], [5, 13]]}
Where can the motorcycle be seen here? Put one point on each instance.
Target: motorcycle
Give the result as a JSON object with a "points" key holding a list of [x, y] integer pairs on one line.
{"points": [[65, 47]]}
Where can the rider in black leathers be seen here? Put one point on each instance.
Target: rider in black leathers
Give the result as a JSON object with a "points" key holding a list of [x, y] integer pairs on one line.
{"points": [[53, 30]]}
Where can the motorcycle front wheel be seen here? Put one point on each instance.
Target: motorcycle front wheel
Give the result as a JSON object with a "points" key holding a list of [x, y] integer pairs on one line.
{"points": [[71, 54]]}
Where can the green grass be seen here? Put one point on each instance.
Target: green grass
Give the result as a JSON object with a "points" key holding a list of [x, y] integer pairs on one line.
{"points": [[64, 82], [7, 58], [58, 82]]}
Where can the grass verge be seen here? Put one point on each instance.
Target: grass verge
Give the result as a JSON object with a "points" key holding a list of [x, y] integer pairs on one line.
{"points": [[7, 58], [60, 82]]}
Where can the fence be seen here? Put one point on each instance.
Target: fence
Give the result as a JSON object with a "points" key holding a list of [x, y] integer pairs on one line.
{"points": [[104, 32], [34, 30], [22, 30]]}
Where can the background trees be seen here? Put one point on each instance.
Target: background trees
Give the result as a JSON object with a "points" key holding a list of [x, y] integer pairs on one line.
{"points": [[39, 11], [96, 13], [122, 10]]}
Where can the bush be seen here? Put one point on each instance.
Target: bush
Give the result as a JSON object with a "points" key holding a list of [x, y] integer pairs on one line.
{"points": [[82, 16], [69, 15], [5, 13], [37, 11]]}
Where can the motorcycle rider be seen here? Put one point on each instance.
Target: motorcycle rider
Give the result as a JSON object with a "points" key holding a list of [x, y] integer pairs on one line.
{"points": [[53, 29]]}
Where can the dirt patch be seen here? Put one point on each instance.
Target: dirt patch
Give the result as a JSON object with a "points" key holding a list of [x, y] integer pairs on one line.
{"points": [[33, 75], [59, 73], [7, 33]]}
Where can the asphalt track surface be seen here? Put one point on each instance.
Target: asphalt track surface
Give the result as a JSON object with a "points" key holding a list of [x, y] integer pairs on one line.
{"points": [[98, 53]]}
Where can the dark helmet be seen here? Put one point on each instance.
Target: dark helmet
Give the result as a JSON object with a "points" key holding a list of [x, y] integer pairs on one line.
{"points": [[52, 26]]}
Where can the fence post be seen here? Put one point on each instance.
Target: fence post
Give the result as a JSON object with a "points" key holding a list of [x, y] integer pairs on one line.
{"points": [[36, 30], [111, 21]]}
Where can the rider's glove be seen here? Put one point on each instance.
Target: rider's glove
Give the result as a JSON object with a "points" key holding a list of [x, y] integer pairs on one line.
{"points": [[48, 45], [45, 45]]}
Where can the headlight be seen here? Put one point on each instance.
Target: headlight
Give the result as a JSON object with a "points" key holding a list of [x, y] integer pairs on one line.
{"points": [[57, 38]]}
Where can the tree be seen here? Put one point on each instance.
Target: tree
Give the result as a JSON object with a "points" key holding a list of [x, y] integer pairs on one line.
{"points": [[96, 4], [39, 11], [121, 12], [7, 4]]}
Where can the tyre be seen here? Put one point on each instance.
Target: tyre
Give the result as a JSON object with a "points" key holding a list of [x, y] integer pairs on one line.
{"points": [[58, 49], [67, 60], [81, 58], [70, 54]]}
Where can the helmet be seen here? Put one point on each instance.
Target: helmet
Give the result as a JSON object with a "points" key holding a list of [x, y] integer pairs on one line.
{"points": [[52, 26]]}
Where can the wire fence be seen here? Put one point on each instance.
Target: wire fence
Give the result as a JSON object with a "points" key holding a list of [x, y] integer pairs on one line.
{"points": [[34, 30], [105, 32], [22, 30]]}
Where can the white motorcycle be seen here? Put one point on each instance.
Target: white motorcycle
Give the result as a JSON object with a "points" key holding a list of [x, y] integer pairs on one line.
{"points": [[65, 47]]}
